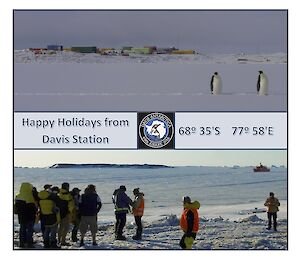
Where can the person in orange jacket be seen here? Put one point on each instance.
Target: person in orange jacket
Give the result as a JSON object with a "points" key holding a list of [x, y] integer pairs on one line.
{"points": [[189, 222], [138, 206], [272, 204]]}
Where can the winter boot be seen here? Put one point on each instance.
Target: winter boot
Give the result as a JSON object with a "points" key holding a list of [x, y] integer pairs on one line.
{"points": [[30, 246], [189, 242], [74, 235], [46, 244], [136, 237], [55, 246], [81, 242], [65, 243]]}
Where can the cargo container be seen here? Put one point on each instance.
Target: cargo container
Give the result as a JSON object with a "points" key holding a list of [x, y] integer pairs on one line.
{"points": [[165, 50], [152, 48], [38, 50], [183, 52], [142, 50], [55, 47], [106, 51], [84, 49]]}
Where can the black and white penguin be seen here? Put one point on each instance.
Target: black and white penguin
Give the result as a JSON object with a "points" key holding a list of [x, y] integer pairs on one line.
{"points": [[262, 84], [216, 84]]}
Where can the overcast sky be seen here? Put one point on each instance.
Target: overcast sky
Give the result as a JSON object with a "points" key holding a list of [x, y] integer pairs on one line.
{"points": [[204, 31]]}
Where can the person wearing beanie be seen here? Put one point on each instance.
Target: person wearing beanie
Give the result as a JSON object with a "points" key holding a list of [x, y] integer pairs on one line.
{"points": [[272, 204], [75, 214], [89, 206], [122, 204], [138, 207], [26, 208], [189, 222], [50, 218], [66, 206]]}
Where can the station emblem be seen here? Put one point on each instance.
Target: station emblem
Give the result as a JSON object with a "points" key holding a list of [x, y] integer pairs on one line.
{"points": [[156, 130]]}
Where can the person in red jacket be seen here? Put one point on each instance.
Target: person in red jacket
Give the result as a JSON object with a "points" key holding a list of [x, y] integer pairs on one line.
{"points": [[138, 212], [189, 222]]}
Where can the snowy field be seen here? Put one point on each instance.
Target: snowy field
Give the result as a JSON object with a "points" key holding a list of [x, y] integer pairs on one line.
{"points": [[227, 196], [91, 82], [246, 234], [26, 56]]}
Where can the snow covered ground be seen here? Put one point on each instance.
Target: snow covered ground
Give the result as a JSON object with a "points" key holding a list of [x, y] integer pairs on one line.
{"points": [[91, 82], [26, 56], [227, 195], [216, 233]]}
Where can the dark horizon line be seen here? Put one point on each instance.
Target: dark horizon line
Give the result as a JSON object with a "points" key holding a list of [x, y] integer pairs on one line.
{"points": [[143, 164], [197, 51], [160, 10]]}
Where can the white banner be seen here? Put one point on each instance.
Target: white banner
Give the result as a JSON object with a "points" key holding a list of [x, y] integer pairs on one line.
{"points": [[119, 130], [75, 130], [230, 130]]}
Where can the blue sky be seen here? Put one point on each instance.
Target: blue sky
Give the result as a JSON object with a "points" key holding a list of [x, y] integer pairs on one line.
{"points": [[172, 157]]}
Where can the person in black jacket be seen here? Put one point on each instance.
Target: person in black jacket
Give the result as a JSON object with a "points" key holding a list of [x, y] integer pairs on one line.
{"points": [[89, 206], [26, 208], [75, 215]]}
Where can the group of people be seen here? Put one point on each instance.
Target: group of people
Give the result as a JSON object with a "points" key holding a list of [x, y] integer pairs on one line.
{"points": [[189, 221], [123, 205], [58, 208]]}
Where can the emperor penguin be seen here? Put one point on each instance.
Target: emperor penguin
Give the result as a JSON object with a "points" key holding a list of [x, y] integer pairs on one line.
{"points": [[262, 84], [216, 84]]}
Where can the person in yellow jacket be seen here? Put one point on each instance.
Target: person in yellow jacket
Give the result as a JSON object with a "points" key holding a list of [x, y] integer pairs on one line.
{"points": [[189, 222], [138, 207], [26, 208], [66, 207], [272, 204], [50, 213], [47, 187]]}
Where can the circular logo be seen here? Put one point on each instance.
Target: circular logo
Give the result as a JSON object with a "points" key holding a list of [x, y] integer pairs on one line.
{"points": [[156, 130]]}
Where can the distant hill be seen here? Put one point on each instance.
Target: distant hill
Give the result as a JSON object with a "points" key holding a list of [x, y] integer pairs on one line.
{"points": [[107, 165]]}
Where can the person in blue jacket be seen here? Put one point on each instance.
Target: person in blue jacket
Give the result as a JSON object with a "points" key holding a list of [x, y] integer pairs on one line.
{"points": [[122, 204]]}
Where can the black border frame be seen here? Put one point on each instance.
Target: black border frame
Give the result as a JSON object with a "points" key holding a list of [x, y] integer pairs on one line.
{"points": [[224, 149]]}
